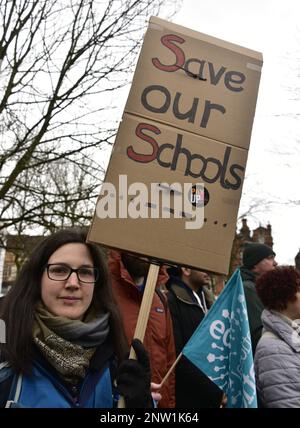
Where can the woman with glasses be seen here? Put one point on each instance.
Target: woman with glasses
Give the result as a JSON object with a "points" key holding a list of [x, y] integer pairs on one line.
{"points": [[65, 343]]}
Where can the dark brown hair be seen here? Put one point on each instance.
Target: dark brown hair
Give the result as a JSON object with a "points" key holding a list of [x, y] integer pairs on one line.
{"points": [[19, 304], [278, 287]]}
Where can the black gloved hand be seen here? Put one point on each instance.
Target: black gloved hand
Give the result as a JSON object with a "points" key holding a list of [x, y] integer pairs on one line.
{"points": [[134, 377]]}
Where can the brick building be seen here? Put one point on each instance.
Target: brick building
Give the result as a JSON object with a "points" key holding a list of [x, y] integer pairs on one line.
{"points": [[297, 261], [262, 235], [13, 252]]}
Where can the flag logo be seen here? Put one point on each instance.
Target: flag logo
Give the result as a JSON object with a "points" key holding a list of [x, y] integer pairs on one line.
{"points": [[221, 346]]}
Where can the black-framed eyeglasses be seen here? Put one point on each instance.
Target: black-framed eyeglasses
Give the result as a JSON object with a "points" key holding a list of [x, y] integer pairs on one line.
{"points": [[61, 272]]}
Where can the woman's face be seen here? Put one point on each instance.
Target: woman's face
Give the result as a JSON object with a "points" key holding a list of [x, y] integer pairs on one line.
{"points": [[69, 298]]}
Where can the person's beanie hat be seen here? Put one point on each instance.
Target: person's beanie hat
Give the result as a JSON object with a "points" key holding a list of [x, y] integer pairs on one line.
{"points": [[255, 253]]}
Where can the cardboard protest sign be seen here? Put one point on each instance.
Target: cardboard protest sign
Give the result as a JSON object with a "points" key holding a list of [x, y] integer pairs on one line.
{"points": [[177, 132], [166, 86]]}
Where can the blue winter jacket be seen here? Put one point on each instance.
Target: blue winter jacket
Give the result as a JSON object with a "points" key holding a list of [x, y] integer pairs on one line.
{"points": [[44, 389]]}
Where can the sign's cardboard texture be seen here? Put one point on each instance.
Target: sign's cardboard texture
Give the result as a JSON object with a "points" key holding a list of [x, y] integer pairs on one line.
{"points": [[221, 108], [158, 147]]}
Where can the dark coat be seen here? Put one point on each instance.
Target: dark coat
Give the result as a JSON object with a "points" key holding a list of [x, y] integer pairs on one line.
{"points": [[254, 306], [193, 388]]}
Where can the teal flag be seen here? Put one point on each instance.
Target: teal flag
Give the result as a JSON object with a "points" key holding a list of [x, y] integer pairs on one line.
{"points": [[221, 346]]}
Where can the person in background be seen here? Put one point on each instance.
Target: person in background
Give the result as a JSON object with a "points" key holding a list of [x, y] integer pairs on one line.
{"points": [[188, 306], [65, 343], [277, 356], [129, 274], [257, 259]]}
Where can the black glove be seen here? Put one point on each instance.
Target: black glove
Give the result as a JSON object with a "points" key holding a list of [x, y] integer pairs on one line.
{"points": [[134, 377]]}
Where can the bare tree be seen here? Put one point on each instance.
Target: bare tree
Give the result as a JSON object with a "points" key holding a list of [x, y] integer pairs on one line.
{"points": [[60, 194], [60, 61]]}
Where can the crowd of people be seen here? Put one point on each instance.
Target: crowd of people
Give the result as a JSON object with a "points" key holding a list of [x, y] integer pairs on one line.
{"points": [[70, 319]]}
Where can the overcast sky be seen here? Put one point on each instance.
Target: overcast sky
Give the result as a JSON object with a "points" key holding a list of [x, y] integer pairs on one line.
{"points": [[273, 170]]}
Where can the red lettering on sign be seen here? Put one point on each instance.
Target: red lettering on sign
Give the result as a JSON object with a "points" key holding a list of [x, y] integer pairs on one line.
{"points": [[138, 157], [167, 41]]}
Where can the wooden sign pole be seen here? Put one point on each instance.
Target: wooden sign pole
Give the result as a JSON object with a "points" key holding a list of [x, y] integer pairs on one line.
{"points": [[144, 312], [170, 369]]}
